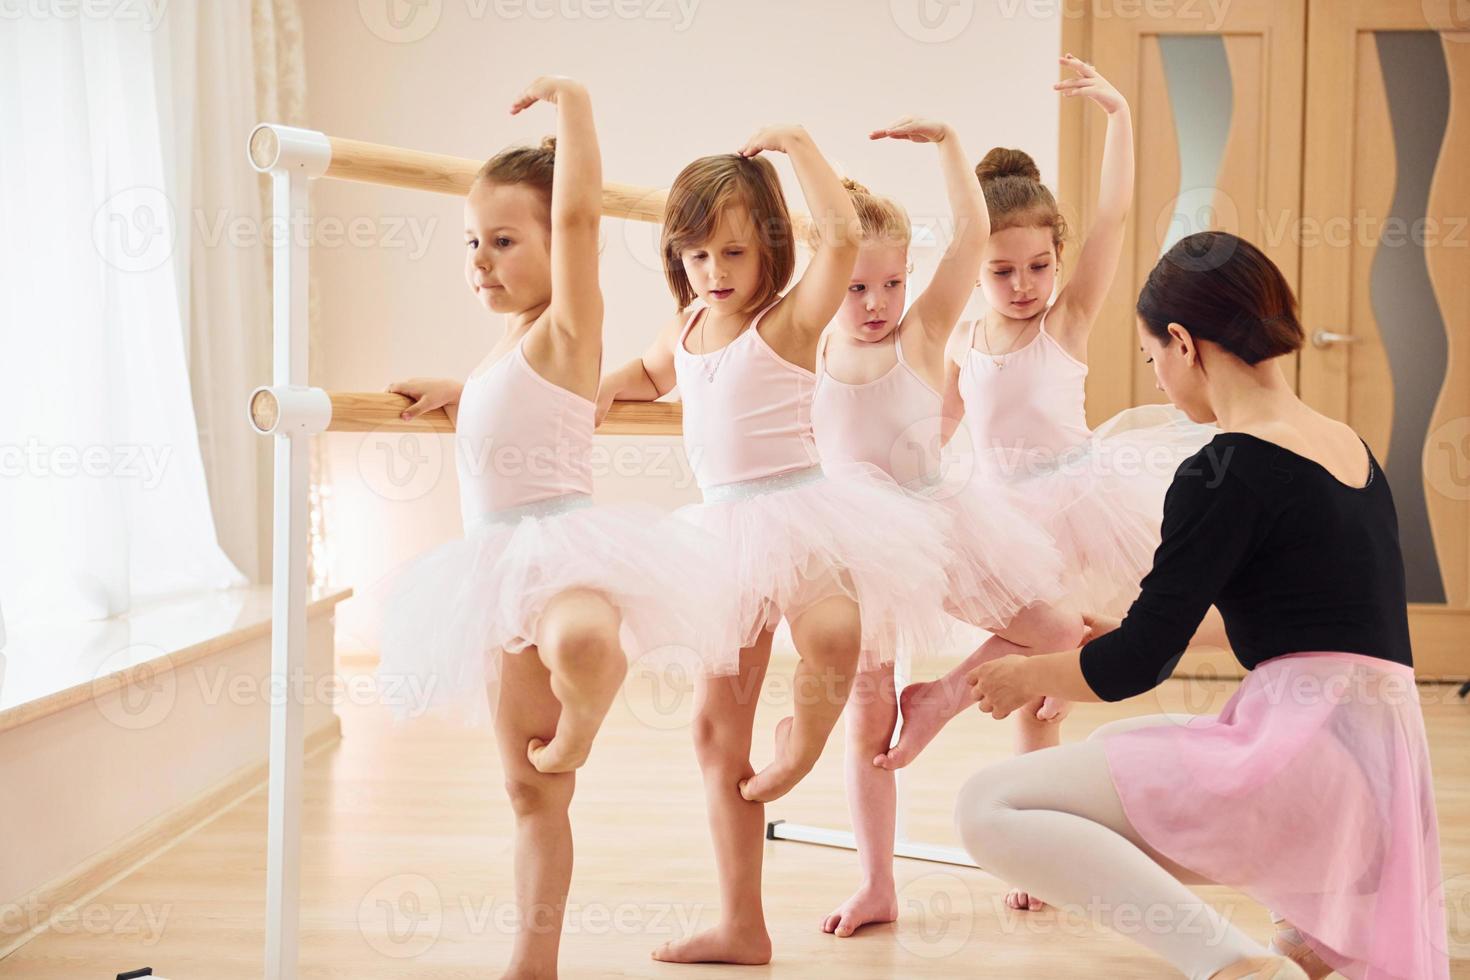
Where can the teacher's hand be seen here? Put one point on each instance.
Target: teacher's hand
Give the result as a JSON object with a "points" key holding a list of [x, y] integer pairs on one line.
{"points": [[1001, 686]]}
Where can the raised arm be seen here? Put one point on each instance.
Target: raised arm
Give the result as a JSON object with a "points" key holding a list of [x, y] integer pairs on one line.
{"points": [[576, 210], [944, 299], [1082, 297], [814, 300]]}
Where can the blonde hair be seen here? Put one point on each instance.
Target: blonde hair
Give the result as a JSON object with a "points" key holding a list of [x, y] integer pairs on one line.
{"points": [[701, 194], [532, 166], [882, 220], [1015, 195]]}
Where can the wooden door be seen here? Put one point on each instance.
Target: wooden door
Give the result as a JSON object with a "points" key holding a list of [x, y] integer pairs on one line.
{"points": [[1385, 278], [1217, 118], [1335, 134]]}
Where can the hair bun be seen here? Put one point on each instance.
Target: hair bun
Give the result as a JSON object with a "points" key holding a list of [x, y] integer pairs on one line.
{"points": [[548, 143], [853, 187], [1004, 162]]}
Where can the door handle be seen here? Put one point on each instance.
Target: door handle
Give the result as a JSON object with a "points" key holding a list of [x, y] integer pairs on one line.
{"points": [[1326, 338]]}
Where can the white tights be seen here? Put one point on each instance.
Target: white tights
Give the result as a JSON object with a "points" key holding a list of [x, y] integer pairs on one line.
{"points": [[1050, 823]]}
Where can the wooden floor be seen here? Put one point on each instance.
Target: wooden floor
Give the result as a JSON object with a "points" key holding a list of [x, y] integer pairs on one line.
{"points": [[407, 865]]}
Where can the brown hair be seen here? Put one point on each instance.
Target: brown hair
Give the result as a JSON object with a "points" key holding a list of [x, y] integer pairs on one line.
{"points": [[883, 220], [1223, 289], [529, 165], [701, 193], [1015, 195]]}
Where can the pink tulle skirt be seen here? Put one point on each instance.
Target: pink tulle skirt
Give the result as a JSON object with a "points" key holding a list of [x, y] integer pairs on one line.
{"points": [[1102, 503], [445, 619], [794, 539], [1311, 793]]}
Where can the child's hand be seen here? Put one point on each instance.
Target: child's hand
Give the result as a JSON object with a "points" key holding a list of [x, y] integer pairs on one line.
{"points": [[1089, 83], [544, 89], [428, 394], [604, 403], [775, 138], [917, 130], [1098, 626]]}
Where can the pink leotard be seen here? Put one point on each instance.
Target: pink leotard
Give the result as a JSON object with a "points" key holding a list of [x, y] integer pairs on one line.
{"points": [[520, 440], [891, 422], [1033, 400], [747, 410]]}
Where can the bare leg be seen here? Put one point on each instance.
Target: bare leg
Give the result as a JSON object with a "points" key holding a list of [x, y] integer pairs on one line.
{"points": [[872, 800], [929, 705], [579, 646], [543, 834], [1052, 822], [723, 719], [828, 637]]}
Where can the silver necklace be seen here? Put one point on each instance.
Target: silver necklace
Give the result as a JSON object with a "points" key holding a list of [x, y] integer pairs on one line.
{"points": [[998, 359], [711, 365]]}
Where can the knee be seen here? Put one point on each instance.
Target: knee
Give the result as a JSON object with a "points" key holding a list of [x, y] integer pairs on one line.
{"points": [[1103, 731], [533, 793], [1059, 629], [980, 817], [580, 626], [717, 750], [830, 632]]}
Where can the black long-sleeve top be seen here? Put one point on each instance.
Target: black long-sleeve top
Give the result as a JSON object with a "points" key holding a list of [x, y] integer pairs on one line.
{"points": [[1294, 559]]}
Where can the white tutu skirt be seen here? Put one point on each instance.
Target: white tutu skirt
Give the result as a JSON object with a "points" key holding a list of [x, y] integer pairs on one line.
{"points": [[445, 619], [1003, 560], [794, 539], [1102, 502]]}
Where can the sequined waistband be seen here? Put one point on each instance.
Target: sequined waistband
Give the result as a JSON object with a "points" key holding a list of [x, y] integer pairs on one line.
{"points": [[549, 507], [746, 489]]}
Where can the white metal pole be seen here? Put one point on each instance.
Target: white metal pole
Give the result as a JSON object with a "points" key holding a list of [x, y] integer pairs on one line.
{"points": [[288, 588]]}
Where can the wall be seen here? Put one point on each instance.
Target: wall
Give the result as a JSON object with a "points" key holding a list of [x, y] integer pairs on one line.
{"points": [[669, 83]]}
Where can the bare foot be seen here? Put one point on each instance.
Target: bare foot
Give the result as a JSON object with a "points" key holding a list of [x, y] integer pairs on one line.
{"points": [[869, 904], [1022, 902], [1054, 710], [558, 755], [585, 699], [784, 772], [722, 944], [925, 710]]}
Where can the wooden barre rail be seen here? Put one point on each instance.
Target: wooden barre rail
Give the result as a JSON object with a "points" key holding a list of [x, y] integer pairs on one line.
{"points": [[370, 411], [377, 163]]}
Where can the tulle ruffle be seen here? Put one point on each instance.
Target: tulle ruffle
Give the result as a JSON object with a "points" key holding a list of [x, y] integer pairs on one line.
{"points": [[850, 531], [445, 619], [1102, 503]]}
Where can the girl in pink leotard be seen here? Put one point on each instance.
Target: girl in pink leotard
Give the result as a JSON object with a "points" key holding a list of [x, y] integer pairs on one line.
{"points": [[853, 564], [1016, 377], [878, 401], [530, 618]]}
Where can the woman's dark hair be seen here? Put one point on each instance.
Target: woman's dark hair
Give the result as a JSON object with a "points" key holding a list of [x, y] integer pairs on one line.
{"points": [[1223, 289]]}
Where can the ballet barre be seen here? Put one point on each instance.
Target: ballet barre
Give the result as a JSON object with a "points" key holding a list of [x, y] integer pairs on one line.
{"points": [[274, 411], [292, 411]]}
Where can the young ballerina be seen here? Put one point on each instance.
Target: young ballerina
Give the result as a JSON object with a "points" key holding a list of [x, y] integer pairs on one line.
{"points": [[877, 402], [803, 545], [1016, 376], [1311, 790], [533, 615]]}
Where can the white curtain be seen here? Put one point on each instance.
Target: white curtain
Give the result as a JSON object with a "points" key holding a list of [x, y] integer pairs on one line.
{"points": [[103, 494]]}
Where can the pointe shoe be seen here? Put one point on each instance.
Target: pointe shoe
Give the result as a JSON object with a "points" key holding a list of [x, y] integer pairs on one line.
{"points": [[1288, 942], [1261, 968]]}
